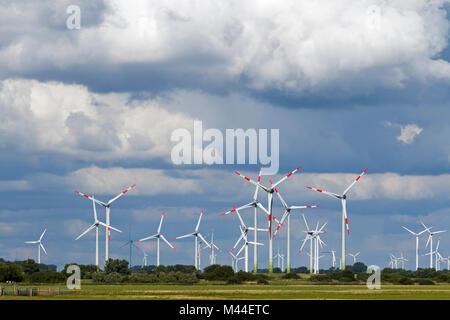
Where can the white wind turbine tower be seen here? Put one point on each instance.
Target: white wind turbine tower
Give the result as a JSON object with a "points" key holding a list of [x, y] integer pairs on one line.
{"points": [[158, 236], [234, 261], [144, 259], [255, 204], [196, 234], [309, 236], [244, 231], [108, 211], [333, 257], [417, 243], [343, 198], [95, 225], [402, 259], [438, 257], [430, 241], [269, 191], [314, 237], [213, 255], [394, 261], [318, 242], [280, 258], [354, 256], [40, 245], [287, 214]]}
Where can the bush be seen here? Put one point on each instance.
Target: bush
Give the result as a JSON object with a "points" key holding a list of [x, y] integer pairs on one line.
{"points": [[320, 278], [403, 280], [47, 277], [218, 272], [425, 282], [343, 276], [113, 277], [443, 278], [262, 281], [98, 277], [10, 273], [234, 280], [363, 276], [359, 267], [117, 266], [291, 275]]}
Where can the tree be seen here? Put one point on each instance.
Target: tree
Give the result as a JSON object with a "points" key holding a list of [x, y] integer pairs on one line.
{"points": [[10, 273], [30, 266], [218, 272], [359, 267], [116, 265]]}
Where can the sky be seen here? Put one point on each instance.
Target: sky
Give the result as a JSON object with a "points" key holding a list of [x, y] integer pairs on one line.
{"points": [[349, 85]]}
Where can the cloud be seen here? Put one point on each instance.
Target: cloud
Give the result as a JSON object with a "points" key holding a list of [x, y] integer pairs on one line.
{"points": [[292, 46], [70, 120], [219, 185], [408, 132]]}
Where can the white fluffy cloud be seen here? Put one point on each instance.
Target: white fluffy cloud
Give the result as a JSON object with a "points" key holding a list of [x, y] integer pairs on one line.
{"points": [[220, 185], [408, 132], [69, 119], [293, 45]]}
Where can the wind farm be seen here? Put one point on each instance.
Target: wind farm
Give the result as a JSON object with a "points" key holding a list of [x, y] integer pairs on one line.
{"points": [[318, 263], [225, 150]]}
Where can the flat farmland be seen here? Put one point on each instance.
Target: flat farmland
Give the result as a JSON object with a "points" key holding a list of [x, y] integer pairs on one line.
{"points": [[284, 290]]}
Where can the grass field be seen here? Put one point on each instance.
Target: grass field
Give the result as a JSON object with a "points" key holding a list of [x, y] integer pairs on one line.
{"points": [[277, 289]]}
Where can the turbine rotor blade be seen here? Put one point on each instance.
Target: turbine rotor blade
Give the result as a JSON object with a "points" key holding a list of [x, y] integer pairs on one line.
{"points": [[285, 177], [91, 198], [160, 222], [148, 238], [353, 183], [331, 194], [110, 227], [86, 231], [168, 243], [121, 194], [42, 246], [42, 235], [199, 219], [253, 182]]}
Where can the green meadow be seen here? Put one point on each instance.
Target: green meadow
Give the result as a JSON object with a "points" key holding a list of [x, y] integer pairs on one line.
{"points": [[276, 289]]}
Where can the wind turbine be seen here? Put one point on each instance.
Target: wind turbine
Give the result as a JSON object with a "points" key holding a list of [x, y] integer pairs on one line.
{"points": [[430, 241], [131, 244], [333, 257], [354, 256], [255, 204], [287, 214], [158, 236], [244, 230], [314, 237], [40, 245], [417, 243], [394, 261], [343, 198], [234, 261], [402, 259], [280, 257], [108, 211], [95, 225], [213, 255], [196, 234], [269, 191]]}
